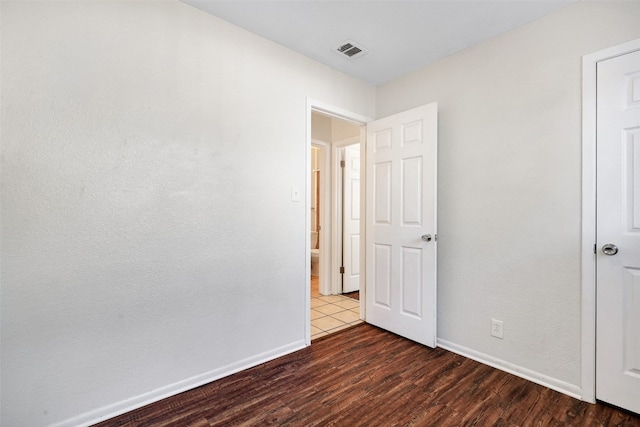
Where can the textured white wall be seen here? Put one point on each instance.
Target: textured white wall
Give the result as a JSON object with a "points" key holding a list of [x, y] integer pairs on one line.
{"points": [[510, 185], [148, 237]]}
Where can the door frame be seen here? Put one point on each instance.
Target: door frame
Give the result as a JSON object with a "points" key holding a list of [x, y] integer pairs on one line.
{"points": [[360, 120], [589, 223]]}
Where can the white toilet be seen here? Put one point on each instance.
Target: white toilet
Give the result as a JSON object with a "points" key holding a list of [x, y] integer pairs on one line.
{"points": [[315, 254]]}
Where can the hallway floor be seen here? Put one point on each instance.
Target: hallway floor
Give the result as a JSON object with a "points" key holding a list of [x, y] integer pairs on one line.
{"points": [[331, 313]]}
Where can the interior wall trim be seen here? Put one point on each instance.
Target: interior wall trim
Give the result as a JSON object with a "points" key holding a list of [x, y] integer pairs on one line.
{"points": [[124, 406], [519, 371]]}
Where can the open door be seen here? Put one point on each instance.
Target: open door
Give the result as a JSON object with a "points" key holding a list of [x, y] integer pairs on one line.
{"points": [[351, 218], [401, 162], [618, 232]]}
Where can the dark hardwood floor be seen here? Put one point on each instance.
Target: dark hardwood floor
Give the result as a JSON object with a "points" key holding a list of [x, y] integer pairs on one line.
{"points": [[353, 295], [365, 376]]}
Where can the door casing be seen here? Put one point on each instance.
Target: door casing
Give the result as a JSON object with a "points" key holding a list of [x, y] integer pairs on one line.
{"points": [[589, 64], [360, 120]]}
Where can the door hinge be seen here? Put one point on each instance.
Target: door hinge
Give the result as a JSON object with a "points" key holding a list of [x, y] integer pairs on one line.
{"points": [[343, 163], [595, 250], [341, 270]]}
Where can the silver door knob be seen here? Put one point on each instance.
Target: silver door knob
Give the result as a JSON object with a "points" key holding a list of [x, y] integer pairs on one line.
{"points": [[426, 237], [609, 249]]}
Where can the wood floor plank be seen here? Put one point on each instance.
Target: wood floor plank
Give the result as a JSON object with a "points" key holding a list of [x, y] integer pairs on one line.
{"points": [[365, 376]]}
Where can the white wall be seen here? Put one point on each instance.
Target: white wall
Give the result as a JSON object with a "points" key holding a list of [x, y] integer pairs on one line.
{"points": [[510, 185], [148, 238]]}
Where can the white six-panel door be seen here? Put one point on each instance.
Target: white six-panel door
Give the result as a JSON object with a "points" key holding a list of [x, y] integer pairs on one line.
{"points": [[401, 209], [351, 219], [618, 232]]}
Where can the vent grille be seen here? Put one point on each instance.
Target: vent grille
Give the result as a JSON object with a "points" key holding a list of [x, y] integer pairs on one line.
{"points": [[351, 50]]}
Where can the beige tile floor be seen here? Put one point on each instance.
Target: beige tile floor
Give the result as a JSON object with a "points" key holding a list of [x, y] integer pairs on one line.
{"points": [[331, 313]]}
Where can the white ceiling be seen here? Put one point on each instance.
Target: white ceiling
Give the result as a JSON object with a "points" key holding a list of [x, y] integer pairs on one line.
{"points": [[400, 35]]}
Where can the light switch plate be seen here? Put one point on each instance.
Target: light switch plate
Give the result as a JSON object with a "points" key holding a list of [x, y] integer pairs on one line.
{"points": [[295, 193]]}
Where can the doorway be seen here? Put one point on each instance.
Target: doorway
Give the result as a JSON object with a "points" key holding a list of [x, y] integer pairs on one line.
{"points": [[407, 140], [330, 208]]}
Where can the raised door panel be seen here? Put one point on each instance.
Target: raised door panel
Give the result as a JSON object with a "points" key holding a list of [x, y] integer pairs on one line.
{"points": [[411, 274], [382, 278], [382, 193], [412, 192]]}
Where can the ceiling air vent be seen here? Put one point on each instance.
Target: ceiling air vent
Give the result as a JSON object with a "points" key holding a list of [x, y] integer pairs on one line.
{"points": [[351, 50]]}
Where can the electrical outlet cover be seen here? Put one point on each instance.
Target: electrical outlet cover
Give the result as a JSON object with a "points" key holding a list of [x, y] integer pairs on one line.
{"points": [[497, 328]]}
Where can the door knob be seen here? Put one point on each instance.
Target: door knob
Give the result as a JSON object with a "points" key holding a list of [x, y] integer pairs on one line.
{"points": [[610, 249], [426, 237]]}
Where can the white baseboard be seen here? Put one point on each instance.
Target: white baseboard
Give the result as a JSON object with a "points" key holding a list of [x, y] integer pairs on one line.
{"points": [[119, 408], [533, 376]]}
